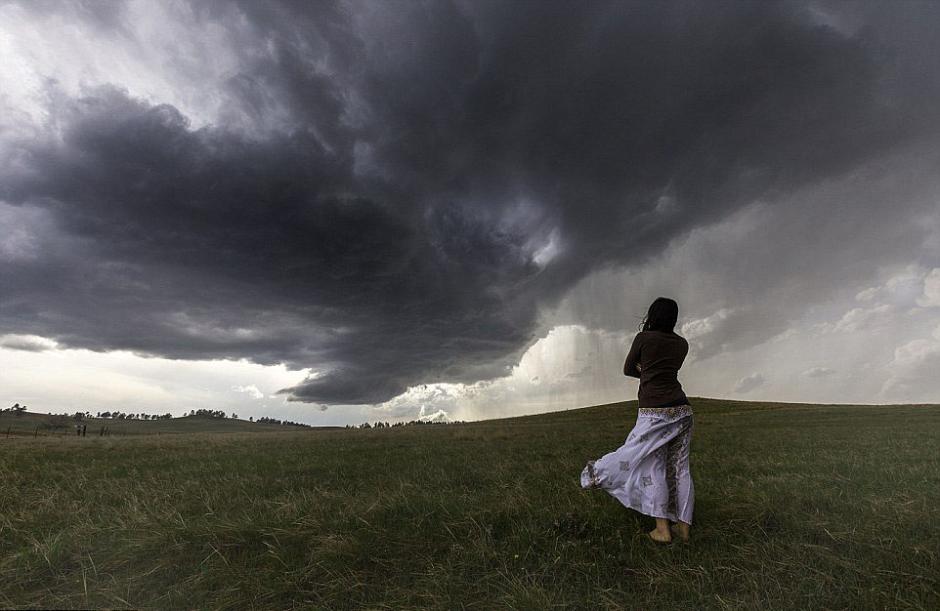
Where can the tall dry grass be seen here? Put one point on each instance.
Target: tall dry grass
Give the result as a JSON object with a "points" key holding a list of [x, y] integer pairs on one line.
{"points": [[797, 507]]}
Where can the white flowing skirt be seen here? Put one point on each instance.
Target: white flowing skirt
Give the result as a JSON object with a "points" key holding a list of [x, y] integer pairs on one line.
{"points": [[650, 471]]}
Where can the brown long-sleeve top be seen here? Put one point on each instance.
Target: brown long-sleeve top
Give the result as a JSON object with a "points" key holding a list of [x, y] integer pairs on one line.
{"points": [[655, 357]]}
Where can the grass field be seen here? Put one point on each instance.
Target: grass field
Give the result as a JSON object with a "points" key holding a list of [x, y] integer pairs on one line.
{"points": [[797, 507]]}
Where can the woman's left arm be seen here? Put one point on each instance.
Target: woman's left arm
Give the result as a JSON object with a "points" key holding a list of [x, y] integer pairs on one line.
{"points": [[631, 366]]}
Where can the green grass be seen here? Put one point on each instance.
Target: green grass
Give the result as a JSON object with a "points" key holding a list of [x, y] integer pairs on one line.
{"points": [[797, 507]]}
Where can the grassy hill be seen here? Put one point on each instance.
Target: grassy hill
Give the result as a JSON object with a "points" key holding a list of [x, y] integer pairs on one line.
{"points": [[30, 423], [797, 507]]}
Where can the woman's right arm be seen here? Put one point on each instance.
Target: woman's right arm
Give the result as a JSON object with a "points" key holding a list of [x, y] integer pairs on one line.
{"points": [[631, 366]]}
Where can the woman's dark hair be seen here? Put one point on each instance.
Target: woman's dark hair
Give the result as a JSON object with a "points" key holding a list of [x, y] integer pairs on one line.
{"points": [[662, 316]]}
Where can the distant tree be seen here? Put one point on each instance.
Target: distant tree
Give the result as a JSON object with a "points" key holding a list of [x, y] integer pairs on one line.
{"points": [[18, 409], [79, 416], [251, 418], [234, 416]]}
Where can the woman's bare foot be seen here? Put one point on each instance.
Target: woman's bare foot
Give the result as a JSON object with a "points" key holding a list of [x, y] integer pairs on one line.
{"points": [[661, 533], [660, 537], [681, 529]]}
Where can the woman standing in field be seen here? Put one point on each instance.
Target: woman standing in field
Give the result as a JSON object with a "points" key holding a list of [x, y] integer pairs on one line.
{"points": [[650, 471]]}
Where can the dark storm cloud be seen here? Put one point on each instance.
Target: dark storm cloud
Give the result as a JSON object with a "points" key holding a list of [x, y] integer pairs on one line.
{"points": [[382, 223]]}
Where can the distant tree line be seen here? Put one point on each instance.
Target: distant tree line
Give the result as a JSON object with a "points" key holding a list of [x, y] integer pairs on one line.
{"points": [[266, 420], [386, 425], [209, 413], [61, 420], [17, 409], [123, 416], [79, 416]]}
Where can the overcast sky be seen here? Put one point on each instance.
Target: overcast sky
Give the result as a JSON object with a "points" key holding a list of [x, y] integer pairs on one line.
{"points": [[338, 212]]}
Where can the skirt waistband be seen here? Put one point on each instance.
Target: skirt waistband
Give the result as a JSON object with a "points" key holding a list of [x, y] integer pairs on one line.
{"points": [[678, 411]]}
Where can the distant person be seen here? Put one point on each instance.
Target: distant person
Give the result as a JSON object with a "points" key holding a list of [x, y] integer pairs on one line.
{"points": [[650, 471]]}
